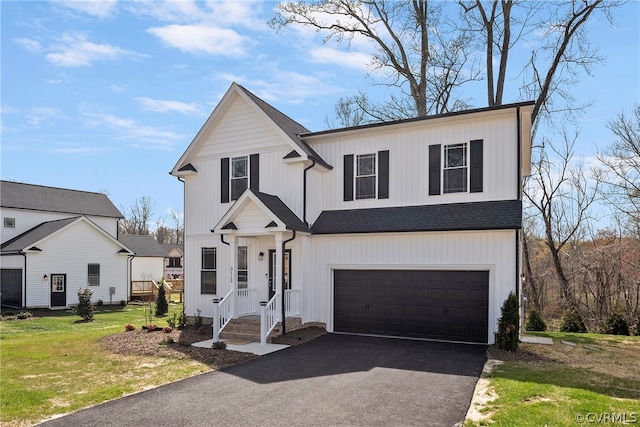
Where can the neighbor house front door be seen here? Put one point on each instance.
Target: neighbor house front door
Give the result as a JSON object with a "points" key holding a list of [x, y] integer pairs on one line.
{"points": [[58, 290]]}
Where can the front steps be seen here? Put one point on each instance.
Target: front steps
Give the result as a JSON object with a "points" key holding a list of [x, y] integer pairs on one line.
{"points": [[247, 329]]}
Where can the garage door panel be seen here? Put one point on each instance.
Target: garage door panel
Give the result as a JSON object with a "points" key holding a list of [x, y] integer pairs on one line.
{"points": [[446, 305]]}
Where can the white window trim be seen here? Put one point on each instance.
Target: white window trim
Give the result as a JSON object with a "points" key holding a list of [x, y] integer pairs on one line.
{"points": [[445, 168], [232, 178], [356, 176], [214, 269]]}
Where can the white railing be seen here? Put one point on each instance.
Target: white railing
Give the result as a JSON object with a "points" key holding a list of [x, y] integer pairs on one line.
{"points": [[247, 303], [221, 314], [268, 317], [292, 302]]}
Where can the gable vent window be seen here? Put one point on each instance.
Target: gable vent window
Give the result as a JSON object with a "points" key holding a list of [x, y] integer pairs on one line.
{"points": [[9, 223], [456, 168], [366, 176], [237, 174], [93, 275]]}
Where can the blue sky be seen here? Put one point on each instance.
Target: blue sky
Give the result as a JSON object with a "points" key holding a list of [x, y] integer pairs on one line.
{"points": [[106, 95]]}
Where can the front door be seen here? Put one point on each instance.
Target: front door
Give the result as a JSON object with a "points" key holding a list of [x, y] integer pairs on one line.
{"points": [[272, 271], [58, 290]]}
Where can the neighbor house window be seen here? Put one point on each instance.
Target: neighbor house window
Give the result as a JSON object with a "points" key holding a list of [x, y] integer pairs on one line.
{"points": [[455, 170], [9, 223], [208, 271], [366, 176], [174, 262], [93, 274], [243, 270], [239, 176]]}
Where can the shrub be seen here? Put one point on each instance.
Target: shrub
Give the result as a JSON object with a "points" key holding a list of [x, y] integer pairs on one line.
{"points": [[535, 322], [123, 303], [572, 322], [161, 301], [24, 315], [167, 329], [197, 321], [151, 327], [182, 319], [219, 345], [507, 337], [85, 308], [100, 302], [616, 324], [172, 320], [129, 327]]}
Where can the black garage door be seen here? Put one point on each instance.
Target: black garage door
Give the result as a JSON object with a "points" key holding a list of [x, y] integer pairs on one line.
{"points": [[442, 305], [11, 287]]}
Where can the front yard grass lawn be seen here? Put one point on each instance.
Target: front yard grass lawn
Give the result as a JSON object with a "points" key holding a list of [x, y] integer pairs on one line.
{"points": [[563, 385], [52, 364]]}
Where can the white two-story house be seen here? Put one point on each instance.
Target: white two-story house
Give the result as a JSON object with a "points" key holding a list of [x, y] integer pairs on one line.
{"points": [[56, 241], [408, 228]]}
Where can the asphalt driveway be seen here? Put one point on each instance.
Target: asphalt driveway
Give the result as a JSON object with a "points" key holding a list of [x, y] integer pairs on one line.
{"points": [[332, 380]]}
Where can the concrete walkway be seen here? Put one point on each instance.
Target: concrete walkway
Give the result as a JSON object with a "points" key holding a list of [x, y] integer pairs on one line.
{"points": [[536, 340], [250, 347]]}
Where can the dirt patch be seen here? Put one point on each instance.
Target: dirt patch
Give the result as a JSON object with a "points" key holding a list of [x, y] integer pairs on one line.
{"points": [[177, 344]]}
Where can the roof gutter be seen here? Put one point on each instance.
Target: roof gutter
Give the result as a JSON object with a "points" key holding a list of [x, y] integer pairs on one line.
{"points": [[304, 191]]}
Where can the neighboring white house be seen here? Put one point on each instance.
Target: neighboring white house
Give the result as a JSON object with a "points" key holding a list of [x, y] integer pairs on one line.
{"points": [[148, 260], [408, 228], [173, 261], [56, 241]]}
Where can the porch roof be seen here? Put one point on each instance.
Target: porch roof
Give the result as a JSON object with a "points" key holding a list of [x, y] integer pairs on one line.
{"points": [[494, 215]]}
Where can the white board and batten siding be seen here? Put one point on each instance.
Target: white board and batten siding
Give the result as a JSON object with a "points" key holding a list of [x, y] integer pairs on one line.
{"points": [[492, 251], [69, 253], [408, 147], [147, 268]]}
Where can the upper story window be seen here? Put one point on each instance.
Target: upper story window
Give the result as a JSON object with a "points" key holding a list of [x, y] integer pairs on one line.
{"points": [[237, 174], [175, 262], [456, 168], [366, 176], [9, 223], [208, 277], [454, 173], [93, 275]]}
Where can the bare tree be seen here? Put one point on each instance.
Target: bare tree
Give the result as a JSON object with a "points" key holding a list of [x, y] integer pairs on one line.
{"points": [[178, 223], [620, 174], [412, 46], [138, 216], [561, 197]]}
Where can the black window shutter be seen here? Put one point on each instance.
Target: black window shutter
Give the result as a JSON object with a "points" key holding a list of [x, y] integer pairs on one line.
{"points": [[434, 169], [475, 172], [348, 177], [383, 174], [254, 172], [224, 180]]}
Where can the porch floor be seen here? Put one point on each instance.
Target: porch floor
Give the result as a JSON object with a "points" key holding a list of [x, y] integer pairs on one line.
{"points": [[251, 347]]}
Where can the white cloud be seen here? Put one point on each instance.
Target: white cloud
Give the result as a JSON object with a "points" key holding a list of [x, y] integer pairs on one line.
{"points": [[327, 55], [98, 8], [74, 50], [202, 38], [77, 150], [147, 137], [117, 88], [165, 106], [29, 44], [37, 115]]}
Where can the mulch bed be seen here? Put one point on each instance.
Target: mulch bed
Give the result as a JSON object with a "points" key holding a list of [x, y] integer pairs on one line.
{"points": [[177, 344]]}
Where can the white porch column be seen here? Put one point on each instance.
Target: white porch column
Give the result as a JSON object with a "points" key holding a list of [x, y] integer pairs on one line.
{"points": [[278, 278], [233, 274]]}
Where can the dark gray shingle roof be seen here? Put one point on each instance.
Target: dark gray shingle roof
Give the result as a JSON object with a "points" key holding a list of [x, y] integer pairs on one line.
{"points": [[51, 199], [495, 215], [167, 247], [144, 246], [292, 128], [282, 211], [37, 233]]}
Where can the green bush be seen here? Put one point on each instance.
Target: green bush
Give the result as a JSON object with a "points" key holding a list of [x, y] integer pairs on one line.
{"points": [[507, 337], [198, 321], [85, 308], [219, 345], [122, 303], [572, 322], [616, 324], [24, 315], [535, 322], [162, 307], [182, 319], [172, 319]]}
